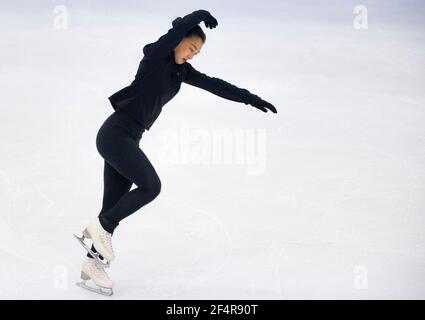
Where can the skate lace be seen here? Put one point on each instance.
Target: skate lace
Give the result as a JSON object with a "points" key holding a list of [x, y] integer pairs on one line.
{"points": [[107, 239], [98, 270]]}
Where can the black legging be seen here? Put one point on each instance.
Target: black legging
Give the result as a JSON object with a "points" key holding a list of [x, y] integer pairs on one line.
{"points": [[125, 163]]}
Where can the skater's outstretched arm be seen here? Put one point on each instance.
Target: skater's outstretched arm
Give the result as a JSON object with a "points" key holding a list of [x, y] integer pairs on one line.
{"points": [[225, 89], [171, 39]]}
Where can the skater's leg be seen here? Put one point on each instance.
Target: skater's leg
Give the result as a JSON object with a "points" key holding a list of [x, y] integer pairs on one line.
{"points": [[137, 167], [114, 187], [118, 143], [122, 152]]}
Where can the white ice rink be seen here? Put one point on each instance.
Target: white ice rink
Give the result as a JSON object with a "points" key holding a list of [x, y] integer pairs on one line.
{"points": [[323, 200]]}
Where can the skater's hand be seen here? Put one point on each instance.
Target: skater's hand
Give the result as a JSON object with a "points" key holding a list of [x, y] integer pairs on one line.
{"points": [[210, 21], [263, 105]]}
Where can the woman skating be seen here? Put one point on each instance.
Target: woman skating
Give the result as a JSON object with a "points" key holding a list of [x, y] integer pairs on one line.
{"points": [[160, 74]]}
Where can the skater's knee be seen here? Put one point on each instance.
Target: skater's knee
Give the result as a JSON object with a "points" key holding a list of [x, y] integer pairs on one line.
{"points": [[155, 188]]}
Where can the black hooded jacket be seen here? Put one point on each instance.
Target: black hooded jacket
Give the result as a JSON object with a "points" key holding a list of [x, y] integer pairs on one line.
{"points": [[159, 78]]}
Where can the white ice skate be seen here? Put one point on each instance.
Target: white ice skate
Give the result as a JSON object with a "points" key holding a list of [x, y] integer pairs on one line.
{"points": [[102, 241], [90, 270]]}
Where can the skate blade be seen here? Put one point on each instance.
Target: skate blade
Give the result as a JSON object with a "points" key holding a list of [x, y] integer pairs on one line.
{"points": [[96, 255], [99, 290]]}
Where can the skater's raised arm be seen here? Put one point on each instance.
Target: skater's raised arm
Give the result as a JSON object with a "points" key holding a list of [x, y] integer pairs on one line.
{"points": [[225, 89], [171, 39]]}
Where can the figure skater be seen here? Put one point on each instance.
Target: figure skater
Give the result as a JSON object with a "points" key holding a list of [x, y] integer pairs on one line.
{"points": [[158, 79]]}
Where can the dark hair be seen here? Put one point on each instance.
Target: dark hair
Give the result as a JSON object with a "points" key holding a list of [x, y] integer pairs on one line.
{"points": [[196, 31]]}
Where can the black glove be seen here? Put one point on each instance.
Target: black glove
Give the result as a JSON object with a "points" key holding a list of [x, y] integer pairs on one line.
{"points": [[261, 104], [210, 21]]}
